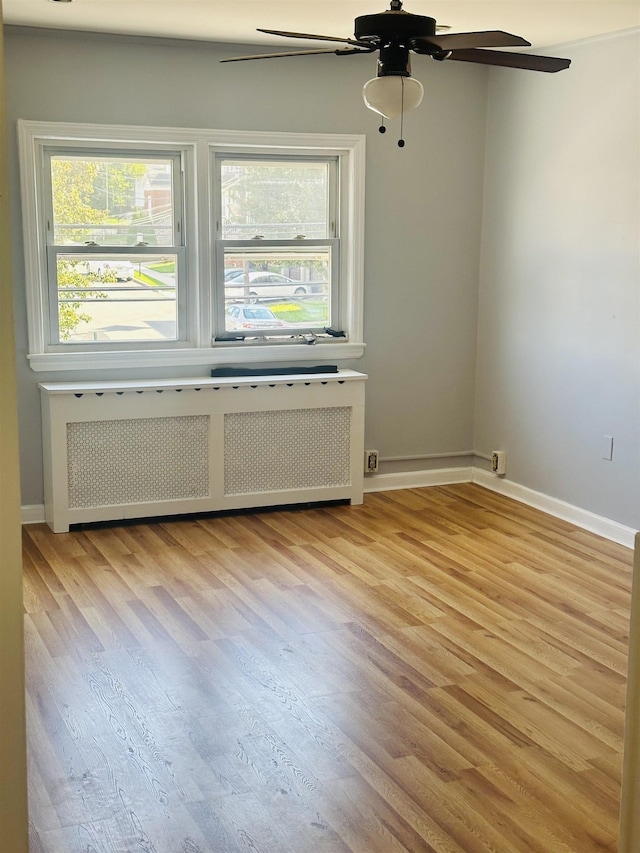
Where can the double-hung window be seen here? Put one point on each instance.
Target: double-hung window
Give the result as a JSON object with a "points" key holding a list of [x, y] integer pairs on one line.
{"points": [[115, 253], [277, 249], [164, 246]]}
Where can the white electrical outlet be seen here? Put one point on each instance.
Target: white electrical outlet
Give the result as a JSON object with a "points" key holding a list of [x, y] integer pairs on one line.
{"points": [[499, 462], [371, 461]]}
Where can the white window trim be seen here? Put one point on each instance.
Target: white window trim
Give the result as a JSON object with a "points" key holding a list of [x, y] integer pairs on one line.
{"points": [[182, 162], [197, 146]]}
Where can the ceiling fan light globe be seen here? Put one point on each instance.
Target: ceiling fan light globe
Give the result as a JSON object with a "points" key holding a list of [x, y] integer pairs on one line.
{"points": [[390, 96]]}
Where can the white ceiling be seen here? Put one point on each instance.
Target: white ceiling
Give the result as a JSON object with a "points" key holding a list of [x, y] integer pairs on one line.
{"points": [[543, 22]]}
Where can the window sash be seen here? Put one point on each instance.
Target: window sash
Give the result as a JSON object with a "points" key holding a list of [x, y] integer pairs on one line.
{"points": [[116, 153], [266, 245], [280, 247], [283, 156], [126, 253], [138, 250]]}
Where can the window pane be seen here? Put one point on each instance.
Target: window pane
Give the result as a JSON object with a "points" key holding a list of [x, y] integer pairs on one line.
{"points": [[112, 201], [116, 298], [278, 200], [293, 288]]}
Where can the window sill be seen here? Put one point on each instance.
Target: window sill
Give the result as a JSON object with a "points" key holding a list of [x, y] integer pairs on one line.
{"points": [[59, 361]]}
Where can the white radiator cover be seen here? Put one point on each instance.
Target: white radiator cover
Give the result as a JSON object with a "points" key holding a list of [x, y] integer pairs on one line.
{"points": [[115, 450]]}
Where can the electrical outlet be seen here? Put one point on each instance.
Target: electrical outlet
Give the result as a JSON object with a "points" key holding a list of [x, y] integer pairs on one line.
{"points": [[499, 462], [371, 461]]}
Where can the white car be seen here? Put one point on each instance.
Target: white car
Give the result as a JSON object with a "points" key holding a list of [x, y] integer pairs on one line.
{"points": [[263, 285], [123, 270], [240, 317]]}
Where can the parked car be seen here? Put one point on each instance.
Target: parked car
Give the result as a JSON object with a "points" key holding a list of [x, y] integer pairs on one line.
{"points": [[252, 317], [263, 285], [232, 272], [123, 270]]}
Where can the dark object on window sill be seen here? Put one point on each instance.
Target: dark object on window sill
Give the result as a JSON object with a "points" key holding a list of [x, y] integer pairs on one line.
{"points": [[272, 371], [335, 333]]}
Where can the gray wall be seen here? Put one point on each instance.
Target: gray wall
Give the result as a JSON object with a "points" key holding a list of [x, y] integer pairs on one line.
{"points": [[423, 207], [551, 361], [559, 323]]}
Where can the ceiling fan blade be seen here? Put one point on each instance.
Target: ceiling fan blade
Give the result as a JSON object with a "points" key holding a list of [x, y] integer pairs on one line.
{"points": [[461, 41], [289, 35], [336, 51], [528, 61]]}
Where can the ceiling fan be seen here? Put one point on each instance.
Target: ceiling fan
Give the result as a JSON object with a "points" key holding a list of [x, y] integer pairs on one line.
{"points": [[395, 34]]}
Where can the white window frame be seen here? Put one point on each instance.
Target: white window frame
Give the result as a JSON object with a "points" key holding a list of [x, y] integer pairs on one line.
{"points": [[177, 247], [197, 150], [331, 240]]}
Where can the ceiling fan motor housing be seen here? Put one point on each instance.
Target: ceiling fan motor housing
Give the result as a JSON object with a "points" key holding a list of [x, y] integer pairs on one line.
{"points": [[394, 27]]}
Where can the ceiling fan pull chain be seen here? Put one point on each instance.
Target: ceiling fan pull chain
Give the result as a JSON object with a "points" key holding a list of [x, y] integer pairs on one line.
{"points": [[401, 140], [382, 128]]}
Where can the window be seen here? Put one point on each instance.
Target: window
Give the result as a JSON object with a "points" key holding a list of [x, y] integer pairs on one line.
{"points": [[278, 243], [150, 246], [114, 248]]}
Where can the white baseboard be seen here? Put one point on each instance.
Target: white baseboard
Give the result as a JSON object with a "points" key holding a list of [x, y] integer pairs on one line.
{"points": [[33, 514], [553, 506], [605, 527], [417, 479], [373, 483]]}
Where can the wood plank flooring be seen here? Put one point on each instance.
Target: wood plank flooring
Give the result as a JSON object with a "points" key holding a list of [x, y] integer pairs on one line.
{"points": [[438, 669]]}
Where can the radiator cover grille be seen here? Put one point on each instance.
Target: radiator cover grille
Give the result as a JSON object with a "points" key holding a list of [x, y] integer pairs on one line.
{"points": [[137, 461], [290, 449]]}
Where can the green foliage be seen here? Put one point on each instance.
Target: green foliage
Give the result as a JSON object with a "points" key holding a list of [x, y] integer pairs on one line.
{"points": [[86, 193], [163, 266], [114, 187], [307, 311], [268, 195], [90, 192], [72, 185], [73, 285], [147, 279]]}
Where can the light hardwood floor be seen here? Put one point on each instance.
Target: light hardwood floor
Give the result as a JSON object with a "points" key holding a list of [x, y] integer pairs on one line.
{"points": [[439, 669]]}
